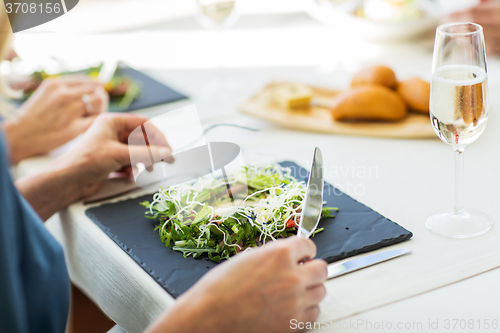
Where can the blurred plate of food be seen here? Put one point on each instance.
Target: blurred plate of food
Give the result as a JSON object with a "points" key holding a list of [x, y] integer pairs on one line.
{"points": [[128, 89], [376, 104], [381, 20]]}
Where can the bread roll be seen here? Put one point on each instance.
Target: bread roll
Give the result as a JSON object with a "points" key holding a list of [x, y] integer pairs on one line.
{"points": [[375, 75], [416, 94], [369, 102]]}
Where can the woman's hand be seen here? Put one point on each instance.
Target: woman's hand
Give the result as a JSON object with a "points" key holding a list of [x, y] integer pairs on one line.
{"points": [[104, 149], [80, 171], [260, 290], [486, 14], [56, 113]]}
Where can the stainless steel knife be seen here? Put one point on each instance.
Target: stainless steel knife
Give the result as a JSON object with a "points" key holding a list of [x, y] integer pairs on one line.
{"points": [[349, 266], [313, 201]]}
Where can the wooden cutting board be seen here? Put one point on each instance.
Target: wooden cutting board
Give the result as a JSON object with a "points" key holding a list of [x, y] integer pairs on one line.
{"points": [[318, 119]]}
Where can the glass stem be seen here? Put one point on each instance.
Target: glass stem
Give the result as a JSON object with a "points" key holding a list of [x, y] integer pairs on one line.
{"points": [[459, 180]]}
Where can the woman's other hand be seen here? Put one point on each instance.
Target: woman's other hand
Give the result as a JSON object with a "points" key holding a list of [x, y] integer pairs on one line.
{"points": [[261, 290], [81, 170], [58, 111], [104, 149]]}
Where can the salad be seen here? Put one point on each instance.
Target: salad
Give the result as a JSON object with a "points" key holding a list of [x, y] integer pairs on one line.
{"points": [[221, 217]]}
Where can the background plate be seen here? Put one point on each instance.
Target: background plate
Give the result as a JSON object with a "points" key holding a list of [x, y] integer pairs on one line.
{"points": [[152, 92]]}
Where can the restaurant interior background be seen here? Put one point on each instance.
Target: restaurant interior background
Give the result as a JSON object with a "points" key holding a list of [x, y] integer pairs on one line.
{"points": [[266, 39]]}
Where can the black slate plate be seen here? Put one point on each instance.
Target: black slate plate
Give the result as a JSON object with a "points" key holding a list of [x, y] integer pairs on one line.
{"points": [[153, 93], [355, 229]]}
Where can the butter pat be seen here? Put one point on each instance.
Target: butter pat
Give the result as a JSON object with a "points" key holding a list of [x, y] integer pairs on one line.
{"points": [[293, 96]]}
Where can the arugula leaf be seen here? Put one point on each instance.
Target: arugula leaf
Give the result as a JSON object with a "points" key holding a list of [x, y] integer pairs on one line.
{"points": [[202, 214]]}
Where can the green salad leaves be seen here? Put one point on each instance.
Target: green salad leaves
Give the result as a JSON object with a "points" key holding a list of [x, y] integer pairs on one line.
{"points": [[221, 217]]}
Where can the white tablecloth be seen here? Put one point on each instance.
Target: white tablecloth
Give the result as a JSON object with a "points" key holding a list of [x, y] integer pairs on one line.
{"points": [[408, 180]]}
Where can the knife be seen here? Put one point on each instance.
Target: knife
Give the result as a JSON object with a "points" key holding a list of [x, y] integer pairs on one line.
{"points": [[349, 266], [313, 200]]}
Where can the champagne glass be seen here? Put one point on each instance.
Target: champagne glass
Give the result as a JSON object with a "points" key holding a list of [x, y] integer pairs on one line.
{"points": [[218, 15], [459, 113]]}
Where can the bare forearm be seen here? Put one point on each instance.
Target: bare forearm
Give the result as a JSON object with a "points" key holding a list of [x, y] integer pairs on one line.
{"points": [[50, 190], [19, 139], [188, 315]]}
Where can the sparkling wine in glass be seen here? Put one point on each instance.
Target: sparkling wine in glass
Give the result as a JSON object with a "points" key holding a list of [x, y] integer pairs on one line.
{"points": [[459, 113]]}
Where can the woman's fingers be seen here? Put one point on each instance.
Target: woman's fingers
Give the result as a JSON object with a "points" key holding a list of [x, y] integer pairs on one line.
{"points": [[140, 132], [302, 248], [84, 96], [99, 100], [143, 154], [125, 122], [76, 80], [139, 147], [76, 92], [82, 124], [314, 295], [93, 103], [310, 314], [155, 136], [315, 271]]}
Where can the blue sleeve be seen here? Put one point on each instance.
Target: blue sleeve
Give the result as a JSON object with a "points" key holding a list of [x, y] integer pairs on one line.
{"points": [[34, 284]]}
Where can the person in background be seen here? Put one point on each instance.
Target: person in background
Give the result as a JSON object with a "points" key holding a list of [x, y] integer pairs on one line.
{"points": [[256, 291], [487, 14]]}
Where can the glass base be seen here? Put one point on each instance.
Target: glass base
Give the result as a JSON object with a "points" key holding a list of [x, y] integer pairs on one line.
{"points": [[458, 225]]}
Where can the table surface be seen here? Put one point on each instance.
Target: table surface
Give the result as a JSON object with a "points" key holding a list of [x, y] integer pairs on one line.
{"points": [[252, 58]]}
